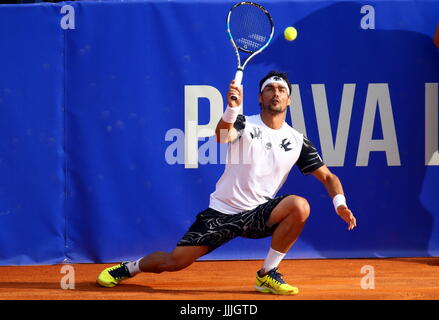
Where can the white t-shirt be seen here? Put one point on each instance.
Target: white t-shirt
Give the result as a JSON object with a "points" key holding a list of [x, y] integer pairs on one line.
{"points": [[258, 164]]}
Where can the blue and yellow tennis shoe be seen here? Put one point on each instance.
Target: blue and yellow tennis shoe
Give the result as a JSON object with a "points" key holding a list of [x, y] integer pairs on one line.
{"points": [[273, 282], [112, 276]]}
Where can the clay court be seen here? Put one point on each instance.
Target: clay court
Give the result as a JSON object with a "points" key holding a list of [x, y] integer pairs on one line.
{"points": [[321, 279]]}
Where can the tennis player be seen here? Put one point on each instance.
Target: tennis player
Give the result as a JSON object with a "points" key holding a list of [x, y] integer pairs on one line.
{"points": [[245, 203]]}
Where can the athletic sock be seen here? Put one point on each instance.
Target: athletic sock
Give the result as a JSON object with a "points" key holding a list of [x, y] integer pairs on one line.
{"points": [[272, 260], [134, 267]]}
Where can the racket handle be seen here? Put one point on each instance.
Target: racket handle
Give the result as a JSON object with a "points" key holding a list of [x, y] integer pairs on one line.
{"points": [[238, 80]]}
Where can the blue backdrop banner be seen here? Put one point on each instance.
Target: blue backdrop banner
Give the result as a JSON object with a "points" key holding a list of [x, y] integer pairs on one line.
{"points": [[108, 109]]}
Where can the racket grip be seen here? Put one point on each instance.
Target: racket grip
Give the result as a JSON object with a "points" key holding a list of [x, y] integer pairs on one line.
{"points": [[238, 80]]}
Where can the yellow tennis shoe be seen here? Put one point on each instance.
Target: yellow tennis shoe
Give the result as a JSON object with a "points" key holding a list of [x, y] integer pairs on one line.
{"points": [[272, 282], [112, 276]]}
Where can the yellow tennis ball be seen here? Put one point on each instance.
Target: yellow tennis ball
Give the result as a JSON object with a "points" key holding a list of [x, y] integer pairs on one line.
{"points": [[290, 33]]}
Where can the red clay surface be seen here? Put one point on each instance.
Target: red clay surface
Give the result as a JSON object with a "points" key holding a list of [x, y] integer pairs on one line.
{"points": [[396, 278]]}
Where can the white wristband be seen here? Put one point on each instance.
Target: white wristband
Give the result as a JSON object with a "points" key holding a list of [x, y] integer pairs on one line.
{"points": [[231, 114], [339, 200]]}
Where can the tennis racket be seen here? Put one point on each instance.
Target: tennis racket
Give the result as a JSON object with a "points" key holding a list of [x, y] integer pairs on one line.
{"points": [[250, 28]]}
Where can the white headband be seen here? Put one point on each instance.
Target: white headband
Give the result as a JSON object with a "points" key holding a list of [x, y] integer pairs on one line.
{"points": [[278, 80]]}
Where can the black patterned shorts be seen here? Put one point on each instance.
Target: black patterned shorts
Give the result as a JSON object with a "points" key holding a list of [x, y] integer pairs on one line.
{"points": [[213, 228]]}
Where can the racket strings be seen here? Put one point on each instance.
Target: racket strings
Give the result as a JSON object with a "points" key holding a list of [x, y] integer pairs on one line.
{"points": [[250, 27]]}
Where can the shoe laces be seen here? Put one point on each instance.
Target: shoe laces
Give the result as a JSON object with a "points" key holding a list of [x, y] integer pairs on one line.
{"points": [[274, 274], [119, 272]]}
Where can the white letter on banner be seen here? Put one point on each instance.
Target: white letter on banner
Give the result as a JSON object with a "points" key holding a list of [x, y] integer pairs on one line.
{"points": [[208, 151], [368, 21], [174, 152], [378, 94], [431, 124], [192, 130], [68, 21], [333, 153], [296, 110]]}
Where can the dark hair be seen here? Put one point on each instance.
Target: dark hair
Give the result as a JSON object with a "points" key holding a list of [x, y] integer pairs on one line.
{"points": [[274, 73]]}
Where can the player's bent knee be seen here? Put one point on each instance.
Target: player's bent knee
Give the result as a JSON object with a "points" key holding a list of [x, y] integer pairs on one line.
{"points": [[300, 208]]}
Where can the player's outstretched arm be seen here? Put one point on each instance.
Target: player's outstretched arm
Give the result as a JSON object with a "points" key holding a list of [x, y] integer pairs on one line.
{"points": [[225, 132], [334, 188]]}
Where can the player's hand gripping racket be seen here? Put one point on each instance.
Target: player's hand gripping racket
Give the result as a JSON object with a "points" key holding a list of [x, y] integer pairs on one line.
{"points": [[250, 28]]}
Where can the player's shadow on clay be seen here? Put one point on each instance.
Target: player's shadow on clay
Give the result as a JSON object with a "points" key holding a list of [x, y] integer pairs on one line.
{"points": [[127, 287], [87, 286], [29, 285]]}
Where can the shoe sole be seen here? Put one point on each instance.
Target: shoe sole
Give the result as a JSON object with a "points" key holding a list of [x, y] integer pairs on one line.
{"points": [[270, 290], [105, 284]]}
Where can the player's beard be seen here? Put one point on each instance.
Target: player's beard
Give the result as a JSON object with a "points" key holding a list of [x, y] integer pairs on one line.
{"points": [[273, 108]]}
